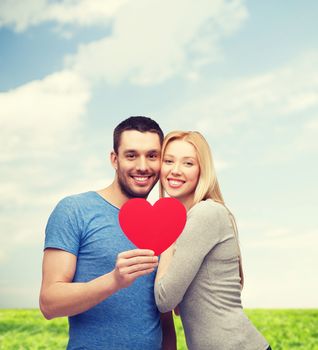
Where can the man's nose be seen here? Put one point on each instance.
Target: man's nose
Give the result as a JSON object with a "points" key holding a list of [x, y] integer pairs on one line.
{"points": [[142, 164]]}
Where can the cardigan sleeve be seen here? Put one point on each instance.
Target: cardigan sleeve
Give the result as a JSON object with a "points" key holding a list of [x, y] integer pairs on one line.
{"points": [[200, 235]]}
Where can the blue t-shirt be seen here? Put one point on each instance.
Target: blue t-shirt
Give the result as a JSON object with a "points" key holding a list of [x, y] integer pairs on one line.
{"points": [[87, 226]]}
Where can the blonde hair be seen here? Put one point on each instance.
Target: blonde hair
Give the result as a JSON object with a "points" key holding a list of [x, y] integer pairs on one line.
{"points": [[208, 185]]}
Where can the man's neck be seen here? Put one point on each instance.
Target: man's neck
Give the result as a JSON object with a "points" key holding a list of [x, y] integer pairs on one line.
{"points": [[113, 195]]}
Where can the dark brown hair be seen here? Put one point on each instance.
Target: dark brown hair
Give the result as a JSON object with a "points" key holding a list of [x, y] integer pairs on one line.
{"points": [[139, 123]]}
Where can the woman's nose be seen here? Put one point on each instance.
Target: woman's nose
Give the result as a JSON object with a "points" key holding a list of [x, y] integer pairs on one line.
{"points": [[176, 170]]}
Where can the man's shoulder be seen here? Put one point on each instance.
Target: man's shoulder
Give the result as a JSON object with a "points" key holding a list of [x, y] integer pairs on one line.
{"points": [[90, 201], [75, 201], [74, 208], [79, 197]]}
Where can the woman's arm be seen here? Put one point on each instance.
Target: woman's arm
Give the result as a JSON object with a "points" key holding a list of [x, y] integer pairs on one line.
{"points": [[165, 259], [177, 271]]}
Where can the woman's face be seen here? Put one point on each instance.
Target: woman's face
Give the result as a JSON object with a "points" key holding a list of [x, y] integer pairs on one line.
{"points": [[180, 171]]}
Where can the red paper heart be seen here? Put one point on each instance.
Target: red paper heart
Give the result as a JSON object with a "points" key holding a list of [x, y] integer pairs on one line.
{"points": [[153, 227]]}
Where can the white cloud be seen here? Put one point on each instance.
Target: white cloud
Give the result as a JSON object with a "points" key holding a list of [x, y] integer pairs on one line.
{"points": [[3, 257], [288, 91], [155, 40], [23, 14], [40, 115], [279, 266], [284, 238], [84, 12], [151, 41], [281, 288], [308, 137], [37, 120], [19, 295]]}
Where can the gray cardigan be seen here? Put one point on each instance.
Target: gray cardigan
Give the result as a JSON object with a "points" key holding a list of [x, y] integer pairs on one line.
{"points": [[203, 279]]}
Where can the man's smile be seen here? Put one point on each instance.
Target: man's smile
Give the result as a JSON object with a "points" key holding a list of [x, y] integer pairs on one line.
{"points": [[142, 179]]}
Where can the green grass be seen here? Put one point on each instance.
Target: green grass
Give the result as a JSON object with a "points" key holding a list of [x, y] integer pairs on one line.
{"points": [[287, 329], [284, 329]]}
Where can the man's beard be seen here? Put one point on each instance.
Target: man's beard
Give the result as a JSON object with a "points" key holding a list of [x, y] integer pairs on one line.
{"points": [[126, 190]]}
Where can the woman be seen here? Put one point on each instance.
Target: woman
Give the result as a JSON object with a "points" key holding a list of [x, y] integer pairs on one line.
{"points": [[202, 272]]}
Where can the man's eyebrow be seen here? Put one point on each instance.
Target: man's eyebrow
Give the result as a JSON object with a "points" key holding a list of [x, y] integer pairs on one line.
{"points": [[137, 151]]}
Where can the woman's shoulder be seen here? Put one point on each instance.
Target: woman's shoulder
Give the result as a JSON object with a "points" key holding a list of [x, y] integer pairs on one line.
{"points": [[207, 209]]}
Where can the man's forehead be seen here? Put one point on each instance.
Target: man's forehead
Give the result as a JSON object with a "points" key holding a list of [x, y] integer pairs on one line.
{"points": [[139, 141]]}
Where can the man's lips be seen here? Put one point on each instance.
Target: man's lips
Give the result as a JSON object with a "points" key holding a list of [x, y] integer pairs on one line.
{"points": [[175, 183], [141, 179]]}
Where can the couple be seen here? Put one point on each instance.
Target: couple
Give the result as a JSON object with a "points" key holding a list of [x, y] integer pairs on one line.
{"points": [[109, 289]]}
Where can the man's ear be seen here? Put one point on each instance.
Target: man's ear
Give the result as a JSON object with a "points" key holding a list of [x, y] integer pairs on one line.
{"points": [[114, 159]]}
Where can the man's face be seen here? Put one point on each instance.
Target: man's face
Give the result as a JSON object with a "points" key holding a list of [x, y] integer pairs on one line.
{"points": [[137, 162]]}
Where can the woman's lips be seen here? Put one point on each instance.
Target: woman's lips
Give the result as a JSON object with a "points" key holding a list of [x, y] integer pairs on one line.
{"points": [[174, 183]]}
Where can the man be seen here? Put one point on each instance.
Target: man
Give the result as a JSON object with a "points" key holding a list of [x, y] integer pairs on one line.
{"points": [[91, 271]]}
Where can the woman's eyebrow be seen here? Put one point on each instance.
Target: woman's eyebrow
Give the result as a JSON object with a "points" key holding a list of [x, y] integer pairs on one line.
{"points": [[189, 157], [183, 158]]}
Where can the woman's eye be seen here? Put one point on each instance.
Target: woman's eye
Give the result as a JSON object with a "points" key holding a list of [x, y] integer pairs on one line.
{"points": [[167, 161], [189, 163]]}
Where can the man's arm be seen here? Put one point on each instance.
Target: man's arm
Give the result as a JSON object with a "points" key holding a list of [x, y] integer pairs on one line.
{"points": [[60, 296], [169, 340]]}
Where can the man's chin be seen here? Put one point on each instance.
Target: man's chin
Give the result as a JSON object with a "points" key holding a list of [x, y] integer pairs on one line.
{"points": [[141, 193], [136, 193]]}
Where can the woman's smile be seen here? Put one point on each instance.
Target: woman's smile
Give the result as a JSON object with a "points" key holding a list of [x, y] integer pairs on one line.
{"points": [[175, 183]]}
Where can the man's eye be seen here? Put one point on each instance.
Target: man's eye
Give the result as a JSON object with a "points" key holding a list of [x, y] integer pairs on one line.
{"points": [[130, 155], [153, 156]]}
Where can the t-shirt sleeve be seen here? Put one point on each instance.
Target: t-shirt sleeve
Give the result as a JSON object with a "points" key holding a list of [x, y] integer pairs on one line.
{"points": [[62, 230], [199, 236]]}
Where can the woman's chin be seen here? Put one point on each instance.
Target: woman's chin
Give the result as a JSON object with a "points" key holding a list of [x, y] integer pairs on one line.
{"points": [[172, 195]]}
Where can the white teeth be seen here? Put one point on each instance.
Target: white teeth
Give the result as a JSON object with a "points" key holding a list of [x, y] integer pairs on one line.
{"points": [[140, 178], [175, 182]]}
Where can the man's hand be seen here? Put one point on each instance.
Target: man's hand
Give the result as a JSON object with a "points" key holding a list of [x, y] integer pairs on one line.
{"points": [[133, 264]]}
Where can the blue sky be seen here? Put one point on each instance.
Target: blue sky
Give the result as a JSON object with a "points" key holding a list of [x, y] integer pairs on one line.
{"points": [[244, 73]]}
